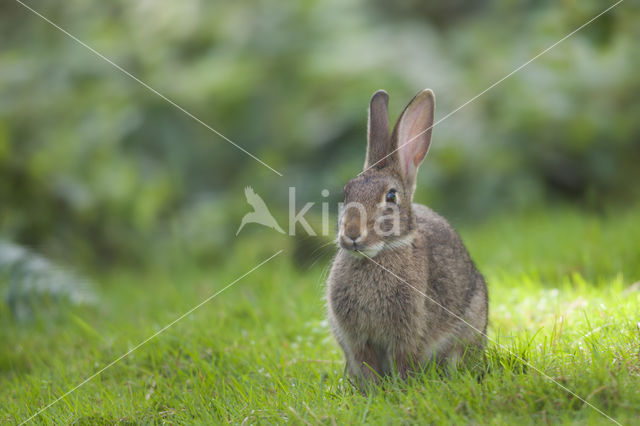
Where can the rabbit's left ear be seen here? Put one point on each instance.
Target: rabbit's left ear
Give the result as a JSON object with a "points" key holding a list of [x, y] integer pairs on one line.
{"points": [[377, 130], [412, 134]]}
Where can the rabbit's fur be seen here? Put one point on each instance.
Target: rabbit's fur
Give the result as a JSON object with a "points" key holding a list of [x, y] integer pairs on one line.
{"points": [[376, 310]]}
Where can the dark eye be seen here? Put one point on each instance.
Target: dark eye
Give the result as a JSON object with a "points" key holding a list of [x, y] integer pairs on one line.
{"points": [[391, 196]]}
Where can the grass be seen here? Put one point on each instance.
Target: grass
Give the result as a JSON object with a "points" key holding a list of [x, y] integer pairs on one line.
{"points": [[261, 352]]}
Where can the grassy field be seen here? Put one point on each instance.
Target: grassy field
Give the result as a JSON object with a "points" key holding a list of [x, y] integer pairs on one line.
{"points": [[561, 297]]}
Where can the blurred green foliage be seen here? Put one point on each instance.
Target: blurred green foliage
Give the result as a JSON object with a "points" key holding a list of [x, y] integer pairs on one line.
{"points": [[97, 169], [35, 286]]}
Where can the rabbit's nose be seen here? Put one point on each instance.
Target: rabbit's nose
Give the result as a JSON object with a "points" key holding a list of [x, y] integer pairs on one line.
{"points": [[352, 231]]}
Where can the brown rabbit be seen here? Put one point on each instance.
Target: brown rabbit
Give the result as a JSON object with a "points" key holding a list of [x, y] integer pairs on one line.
{"points": [[391, 251]]}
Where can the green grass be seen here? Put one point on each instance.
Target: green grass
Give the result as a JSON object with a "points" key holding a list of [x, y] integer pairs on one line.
{"points": [[261, 352]]}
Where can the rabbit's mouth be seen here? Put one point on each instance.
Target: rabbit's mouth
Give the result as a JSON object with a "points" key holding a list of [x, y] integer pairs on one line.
{"points": [[360, 249], [370, 251]]}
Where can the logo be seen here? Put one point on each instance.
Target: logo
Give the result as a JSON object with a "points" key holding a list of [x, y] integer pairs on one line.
{"points": [[260, 214]]}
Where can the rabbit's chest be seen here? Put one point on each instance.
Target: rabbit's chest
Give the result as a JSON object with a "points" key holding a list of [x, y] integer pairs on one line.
{"points": [[373, 305]]}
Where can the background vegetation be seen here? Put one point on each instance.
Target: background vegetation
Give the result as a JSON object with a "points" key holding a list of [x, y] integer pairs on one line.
{"points": [[95, 168], [102, 177]]}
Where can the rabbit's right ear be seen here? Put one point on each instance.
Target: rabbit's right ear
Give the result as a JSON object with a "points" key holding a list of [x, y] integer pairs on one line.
{"points": [[412, 135], [378, 130]]}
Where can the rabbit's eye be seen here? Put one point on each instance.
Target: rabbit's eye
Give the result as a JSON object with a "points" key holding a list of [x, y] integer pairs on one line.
{"points": [[391, 196]]}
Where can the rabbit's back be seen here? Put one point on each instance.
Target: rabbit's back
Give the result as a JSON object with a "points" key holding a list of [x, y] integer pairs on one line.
{"points": [[452, 276]]}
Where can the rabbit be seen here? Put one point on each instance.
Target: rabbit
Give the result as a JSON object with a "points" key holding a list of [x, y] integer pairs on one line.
{"points": [[403, 291]]}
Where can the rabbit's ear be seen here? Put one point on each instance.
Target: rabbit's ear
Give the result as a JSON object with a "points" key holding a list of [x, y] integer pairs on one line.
{"points": [[378, 130], [412, 134]]}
